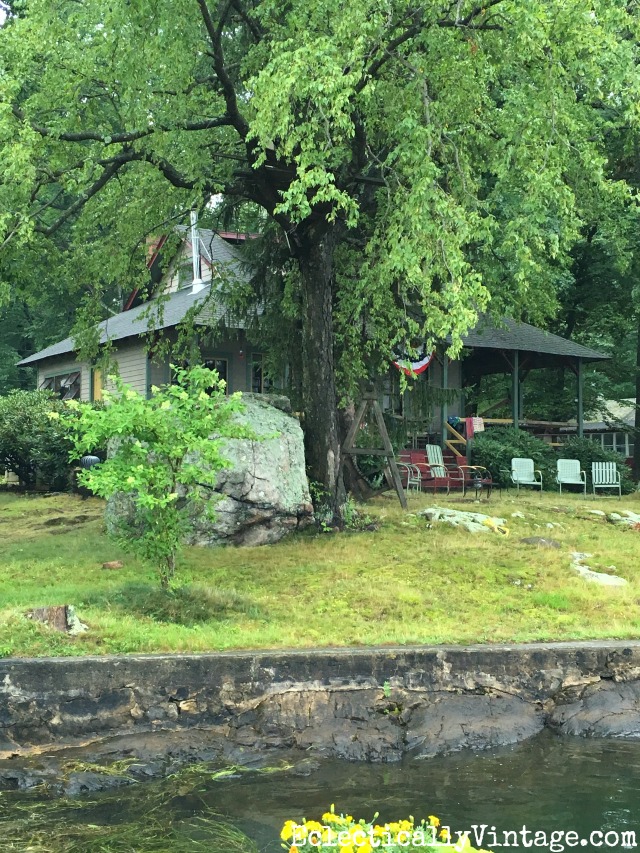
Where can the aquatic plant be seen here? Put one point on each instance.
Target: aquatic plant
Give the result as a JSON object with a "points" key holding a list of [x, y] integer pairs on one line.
{"points": [[149, 824]]}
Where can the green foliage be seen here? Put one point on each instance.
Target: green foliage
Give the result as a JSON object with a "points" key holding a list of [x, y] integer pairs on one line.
{"points": [[371, 467], [498, 445], [588, 451], [33, 440], [163, 451]]}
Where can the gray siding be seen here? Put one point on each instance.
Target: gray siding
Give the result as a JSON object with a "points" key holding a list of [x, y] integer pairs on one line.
{"points": [[238, 354], [132, 365], [131, 358]]}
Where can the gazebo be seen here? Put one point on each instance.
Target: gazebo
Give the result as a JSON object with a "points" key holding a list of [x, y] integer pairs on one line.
{"points": [[515, 348]]}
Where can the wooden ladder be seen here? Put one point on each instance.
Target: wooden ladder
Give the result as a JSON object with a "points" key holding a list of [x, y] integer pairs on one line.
{"points": [[456, 442]]}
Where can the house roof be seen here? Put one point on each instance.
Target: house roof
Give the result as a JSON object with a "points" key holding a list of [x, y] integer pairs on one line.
{"points": [[216, 251], [492, 344], [513, 335], [613, 413], [155, 314], [163, 314]]}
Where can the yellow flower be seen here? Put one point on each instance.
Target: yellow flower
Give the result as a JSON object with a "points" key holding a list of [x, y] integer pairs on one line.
{"points": [[444, 833], [433, 820], [287, 830]]}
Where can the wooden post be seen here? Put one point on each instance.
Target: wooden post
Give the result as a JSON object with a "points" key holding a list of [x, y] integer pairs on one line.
{"points": [[445, 387], [515, 389], [391, 472], [580, 374]]}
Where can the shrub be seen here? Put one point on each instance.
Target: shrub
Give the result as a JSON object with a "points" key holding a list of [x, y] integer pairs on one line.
{"points": [[33, 444], [588, 451], [496, 447], [163, 452]]}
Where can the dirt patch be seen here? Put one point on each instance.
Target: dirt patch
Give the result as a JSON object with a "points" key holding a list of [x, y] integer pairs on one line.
{"points": [[58, 520]]}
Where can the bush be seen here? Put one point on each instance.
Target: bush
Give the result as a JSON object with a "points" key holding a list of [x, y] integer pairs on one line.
{"points": [[164, 453], [498, 445], [33, 440], [588, 451]]}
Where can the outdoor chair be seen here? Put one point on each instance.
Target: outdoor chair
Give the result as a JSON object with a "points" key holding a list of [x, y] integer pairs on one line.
{"points": [[605, 475], [476, 479], [570, 474], [409, 471], [523, 473], [440, 474]]}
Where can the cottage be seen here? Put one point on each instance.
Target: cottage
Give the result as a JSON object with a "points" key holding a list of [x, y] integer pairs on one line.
{"points": [[197, 293], [181, 295]]}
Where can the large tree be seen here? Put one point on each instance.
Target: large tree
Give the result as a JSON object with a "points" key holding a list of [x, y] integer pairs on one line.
{"points": [[421, 158]]}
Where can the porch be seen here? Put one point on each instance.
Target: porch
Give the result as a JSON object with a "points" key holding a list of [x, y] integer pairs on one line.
{"points": [[510, 348]]}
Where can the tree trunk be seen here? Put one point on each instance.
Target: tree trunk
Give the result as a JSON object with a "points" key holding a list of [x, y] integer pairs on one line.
{"points": [[322, 434], [636, 435]]}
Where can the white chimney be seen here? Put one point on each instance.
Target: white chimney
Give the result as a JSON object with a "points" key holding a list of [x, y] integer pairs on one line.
{"points": [[198, 284]]}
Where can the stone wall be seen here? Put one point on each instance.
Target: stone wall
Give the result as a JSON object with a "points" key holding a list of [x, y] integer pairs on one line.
{"points": [[359, 704]]}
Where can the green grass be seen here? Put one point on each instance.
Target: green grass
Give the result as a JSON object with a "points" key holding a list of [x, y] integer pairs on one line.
{"points": [[404, 583]]}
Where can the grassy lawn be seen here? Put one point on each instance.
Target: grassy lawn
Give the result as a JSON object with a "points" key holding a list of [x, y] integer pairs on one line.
{"points": [[404, 583]]}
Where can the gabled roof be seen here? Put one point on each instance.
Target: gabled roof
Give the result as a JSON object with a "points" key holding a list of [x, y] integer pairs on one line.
{"points": [[168, 312], [158, 313], [216, 251]]}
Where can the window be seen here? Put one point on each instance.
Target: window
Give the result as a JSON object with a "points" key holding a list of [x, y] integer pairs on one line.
{"points": [[185, 275], [221, 367], [260, 384], [392, 398], [65, 385], [621, 442]]}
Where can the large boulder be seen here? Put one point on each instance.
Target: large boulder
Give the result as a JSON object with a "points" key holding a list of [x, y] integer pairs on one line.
{"points": [[263, 494]]}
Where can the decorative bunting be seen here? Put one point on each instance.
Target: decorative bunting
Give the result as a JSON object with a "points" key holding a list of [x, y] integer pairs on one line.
{"points": [[414, 367]]}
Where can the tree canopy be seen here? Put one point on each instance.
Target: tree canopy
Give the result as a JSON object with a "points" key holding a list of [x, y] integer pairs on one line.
{"points": [[424, 160]]}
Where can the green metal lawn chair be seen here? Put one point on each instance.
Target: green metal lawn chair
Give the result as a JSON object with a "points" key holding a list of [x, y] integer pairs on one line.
{"points": [[570, 474], [523, 473], [605, 475]]}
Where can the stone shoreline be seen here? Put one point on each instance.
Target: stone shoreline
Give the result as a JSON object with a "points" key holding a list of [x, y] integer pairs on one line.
{"points": [[365, 704]]}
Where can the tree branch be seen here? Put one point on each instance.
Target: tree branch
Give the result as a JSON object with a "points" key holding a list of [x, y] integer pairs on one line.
{"points": [[417, 17], [236, 119], [84, 197], [254, 27], [123, 137]]}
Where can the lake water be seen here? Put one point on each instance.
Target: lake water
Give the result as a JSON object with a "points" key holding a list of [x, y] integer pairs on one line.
{"points": [[547, 784]]}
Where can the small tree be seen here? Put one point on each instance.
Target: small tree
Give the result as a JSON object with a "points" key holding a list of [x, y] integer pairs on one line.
{"points": [[33, 443], [162, 451]]}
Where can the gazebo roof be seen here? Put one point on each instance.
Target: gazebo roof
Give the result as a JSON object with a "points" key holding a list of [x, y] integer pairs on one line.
{"points": [[489, 339]]}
